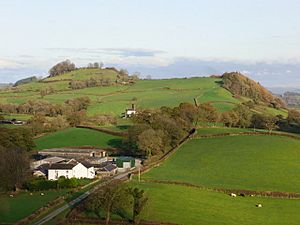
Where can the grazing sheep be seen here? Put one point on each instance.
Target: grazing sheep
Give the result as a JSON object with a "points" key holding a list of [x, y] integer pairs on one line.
{"points": [[251, 195], [233, 195], [11, 196], [258, 205], [42, 194]]}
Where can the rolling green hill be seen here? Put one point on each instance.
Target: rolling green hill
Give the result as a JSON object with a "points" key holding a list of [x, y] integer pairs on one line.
{"points": [[115, 98]]}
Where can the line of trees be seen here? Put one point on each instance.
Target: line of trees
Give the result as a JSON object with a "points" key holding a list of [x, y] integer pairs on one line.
{"points": [[45, 108], [122, 78], [155, 132], [91, 82]]}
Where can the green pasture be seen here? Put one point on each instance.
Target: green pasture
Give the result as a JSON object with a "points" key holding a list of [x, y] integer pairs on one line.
{"points": [[78, 137], [222, 130], [193, 206], [23, 204], [266, 163]]}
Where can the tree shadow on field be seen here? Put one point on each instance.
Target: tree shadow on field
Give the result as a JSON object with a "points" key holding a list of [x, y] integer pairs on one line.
{"points": [[220, 82], [116, 143], [123, 127]]}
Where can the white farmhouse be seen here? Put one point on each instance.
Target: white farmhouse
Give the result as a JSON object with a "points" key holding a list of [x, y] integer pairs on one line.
{"points": [[130, 112], [71, 170]]}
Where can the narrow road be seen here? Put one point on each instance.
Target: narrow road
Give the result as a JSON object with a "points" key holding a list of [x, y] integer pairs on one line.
{"points": [[55, 213]]}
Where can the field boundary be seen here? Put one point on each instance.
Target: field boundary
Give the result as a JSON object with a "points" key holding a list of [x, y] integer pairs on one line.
{"points": [[104, 130], [241, 192], [75, 219], [294, 136]]}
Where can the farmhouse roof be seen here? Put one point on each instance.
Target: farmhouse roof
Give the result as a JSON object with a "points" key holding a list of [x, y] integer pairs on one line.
{"points": [[53, 159], [87, 164], [61, 166], [72, 150], [43, 168], [110, 167], [106, 166]]}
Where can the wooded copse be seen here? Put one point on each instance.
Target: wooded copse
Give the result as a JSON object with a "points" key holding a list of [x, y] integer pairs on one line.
{"points": [[123, 76], [41, 107]]}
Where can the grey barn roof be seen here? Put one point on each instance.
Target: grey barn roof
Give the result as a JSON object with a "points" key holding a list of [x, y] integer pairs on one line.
{"points": [[70, 150], [61, 166]]}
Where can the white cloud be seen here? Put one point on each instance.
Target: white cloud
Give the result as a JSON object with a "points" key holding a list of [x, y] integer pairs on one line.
{"points": [[7, 64]]}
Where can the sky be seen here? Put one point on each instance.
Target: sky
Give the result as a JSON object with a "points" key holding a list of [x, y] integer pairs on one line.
{"points": [[161, 38]]}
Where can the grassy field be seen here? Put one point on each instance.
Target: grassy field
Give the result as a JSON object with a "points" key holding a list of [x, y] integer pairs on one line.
{"points": [[15, 208], [265, 163], [192, 206], [77, 137]]}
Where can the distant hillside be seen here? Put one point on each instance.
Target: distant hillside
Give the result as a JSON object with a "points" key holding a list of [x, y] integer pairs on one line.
{"points": [[5, 85], [240, 85], [26, 81], [292, 99]]}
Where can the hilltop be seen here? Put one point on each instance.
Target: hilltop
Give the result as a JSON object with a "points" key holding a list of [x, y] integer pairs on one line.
{"points": [[240, 85]]}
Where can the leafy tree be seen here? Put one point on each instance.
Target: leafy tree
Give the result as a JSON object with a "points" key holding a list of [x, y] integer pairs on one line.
{"points": [[265, 122], [230, 118], [150, 142], [294, 117], [14, 168], [75, 118], [207, 113], [271, 123], [139, 202], [78, 104], [108, 199], [244, 115], [20, 138]]}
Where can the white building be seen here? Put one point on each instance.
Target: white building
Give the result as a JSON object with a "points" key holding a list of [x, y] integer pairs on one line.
{"points": [[130, 112], [71, 170]]}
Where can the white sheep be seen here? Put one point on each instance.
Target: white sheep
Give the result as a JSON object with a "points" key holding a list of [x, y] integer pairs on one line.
{"points": [[233, 195]]}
